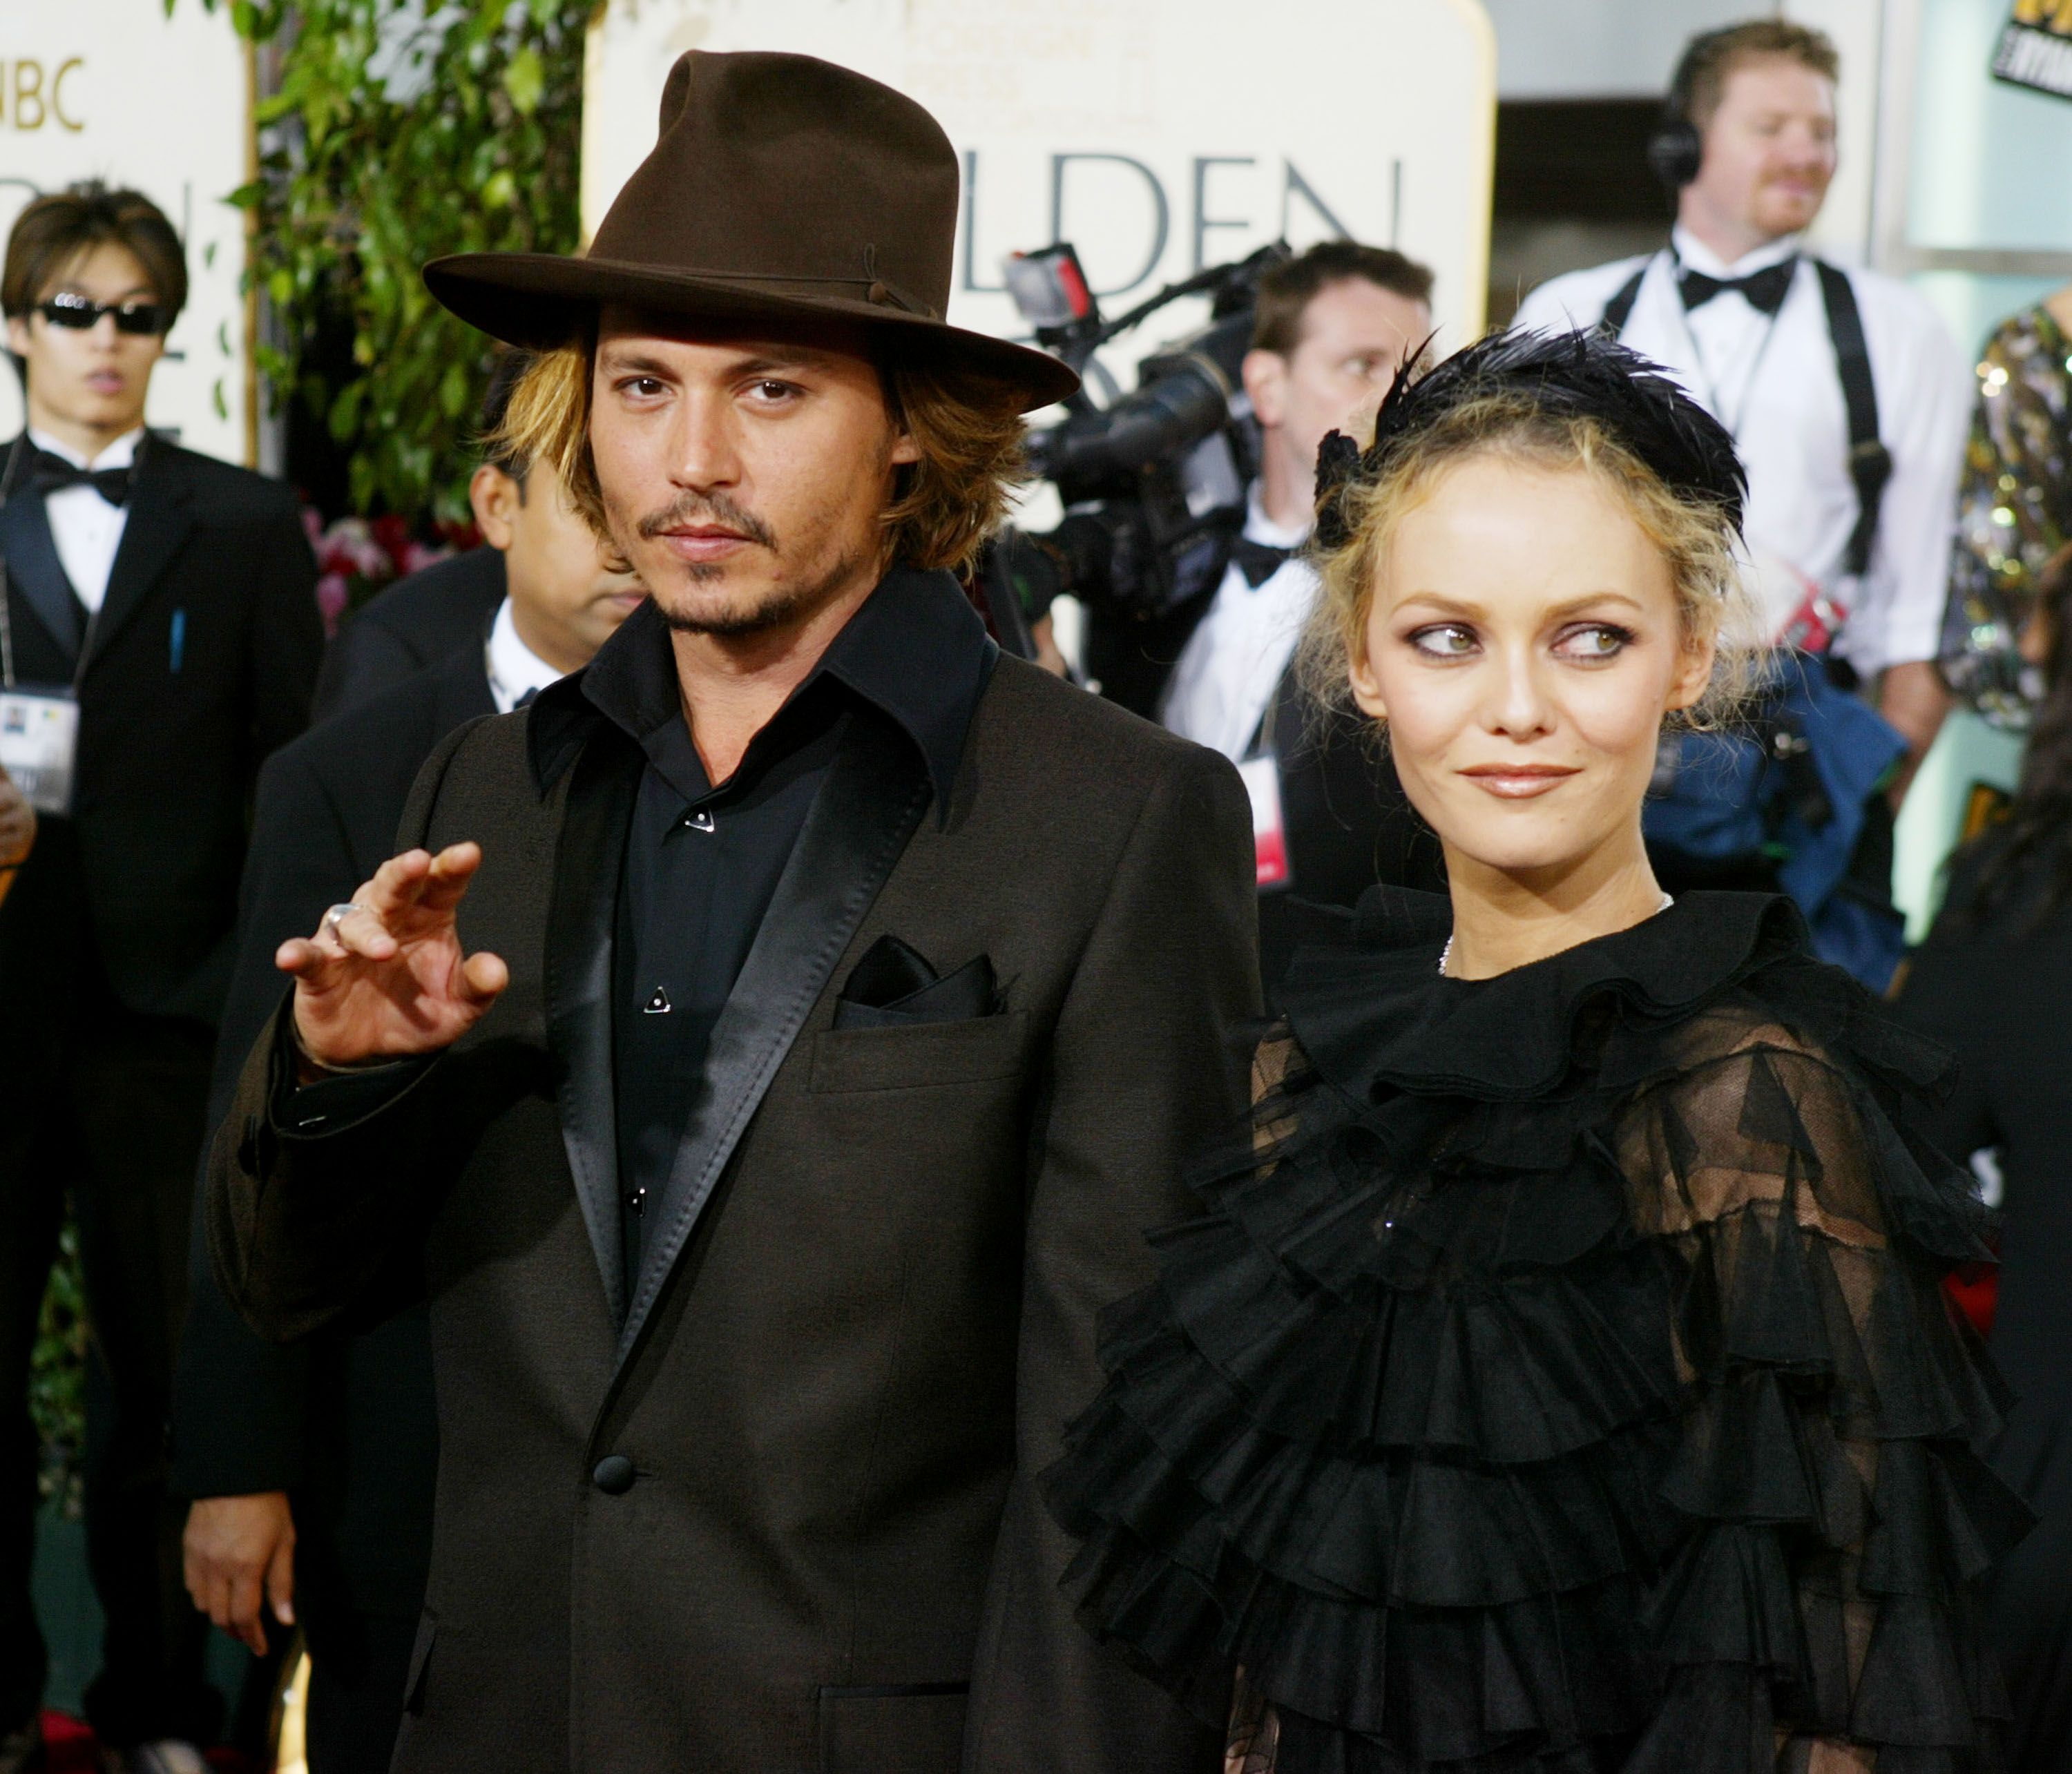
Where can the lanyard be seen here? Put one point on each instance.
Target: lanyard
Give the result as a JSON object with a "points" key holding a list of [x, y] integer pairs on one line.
{"points": [[1709, 391], [8, 477]]}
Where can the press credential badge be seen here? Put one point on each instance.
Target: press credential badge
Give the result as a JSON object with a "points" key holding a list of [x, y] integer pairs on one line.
{"points": [[39, 746]]}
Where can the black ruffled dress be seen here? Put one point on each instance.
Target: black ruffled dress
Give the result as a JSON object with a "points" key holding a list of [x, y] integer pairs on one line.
{"points": [[1559, 1377]]}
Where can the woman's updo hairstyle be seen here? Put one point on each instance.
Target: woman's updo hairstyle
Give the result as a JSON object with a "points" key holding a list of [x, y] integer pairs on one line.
{"points": [[1553, 401]]}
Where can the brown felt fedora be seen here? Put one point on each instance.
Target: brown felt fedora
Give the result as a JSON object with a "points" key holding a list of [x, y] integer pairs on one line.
{"points": [[780, 186]]}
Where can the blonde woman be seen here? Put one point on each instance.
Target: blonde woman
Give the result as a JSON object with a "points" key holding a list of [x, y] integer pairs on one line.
{"points": [[1557, 1378]]}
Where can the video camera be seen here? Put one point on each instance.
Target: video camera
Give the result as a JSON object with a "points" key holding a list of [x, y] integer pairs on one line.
{"points": [[1153, 483]]}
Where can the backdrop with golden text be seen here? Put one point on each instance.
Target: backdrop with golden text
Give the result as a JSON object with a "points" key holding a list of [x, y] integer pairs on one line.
{"points": [[114, 89]]}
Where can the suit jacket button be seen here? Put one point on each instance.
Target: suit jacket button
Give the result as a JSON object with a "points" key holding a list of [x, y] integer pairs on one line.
{"points": [[614, 1475]]}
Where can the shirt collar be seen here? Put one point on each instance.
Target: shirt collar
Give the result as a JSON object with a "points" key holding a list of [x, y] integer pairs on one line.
{"points": [[1260, 527], [514, 667], [119, 454], [915, 650], [1693, 253]]}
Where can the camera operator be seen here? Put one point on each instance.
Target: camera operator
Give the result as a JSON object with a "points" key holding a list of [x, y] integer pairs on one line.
{"points": [[1331, 326], [159, 606], [312, 1463], [1848, 401]]}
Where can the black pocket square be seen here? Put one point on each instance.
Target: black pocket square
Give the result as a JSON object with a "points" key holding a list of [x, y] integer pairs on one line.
{"points": [[894, 987]]}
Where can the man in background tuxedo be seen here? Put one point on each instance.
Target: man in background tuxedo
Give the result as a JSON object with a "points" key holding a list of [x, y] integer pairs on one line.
{"points": [[1333, 325], [313, 1462], [173, 597]]}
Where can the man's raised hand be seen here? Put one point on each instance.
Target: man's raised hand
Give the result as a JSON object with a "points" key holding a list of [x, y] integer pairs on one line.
{"points": [[387, 978], [18, 824]]}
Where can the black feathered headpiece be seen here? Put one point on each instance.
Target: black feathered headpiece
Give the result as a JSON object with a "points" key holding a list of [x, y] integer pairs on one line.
{"points": [[1585, 376]]}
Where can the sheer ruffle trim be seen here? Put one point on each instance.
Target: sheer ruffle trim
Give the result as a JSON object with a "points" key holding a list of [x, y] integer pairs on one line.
{"points": [[1629, 1422]]}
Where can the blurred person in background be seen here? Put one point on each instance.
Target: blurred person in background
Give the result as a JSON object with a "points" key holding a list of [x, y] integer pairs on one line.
{"points": [[312, 1463], [1846, 399], [1993, 982], [1333, 325], [2015, 507], [171, 596]]}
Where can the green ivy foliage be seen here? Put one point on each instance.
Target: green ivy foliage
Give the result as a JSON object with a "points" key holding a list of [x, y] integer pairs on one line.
{"points": [[401, 130]]}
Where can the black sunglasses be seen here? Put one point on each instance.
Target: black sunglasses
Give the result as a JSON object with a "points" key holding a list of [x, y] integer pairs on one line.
{"points": [[67, 310]]}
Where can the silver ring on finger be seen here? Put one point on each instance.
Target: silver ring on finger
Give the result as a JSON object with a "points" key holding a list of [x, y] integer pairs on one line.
{"points": [[338, 914]]}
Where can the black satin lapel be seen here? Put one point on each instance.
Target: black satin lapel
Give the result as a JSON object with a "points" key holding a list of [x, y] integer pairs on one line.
{"points": [[38, 574], [158, 523], [874, 795], [587, 861]]}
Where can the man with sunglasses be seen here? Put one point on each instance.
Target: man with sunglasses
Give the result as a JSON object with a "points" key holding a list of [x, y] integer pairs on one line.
{"points": [[163, 603]]}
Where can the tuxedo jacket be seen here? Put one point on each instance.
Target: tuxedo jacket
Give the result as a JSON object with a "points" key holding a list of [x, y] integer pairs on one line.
{"points": [[415, 624], [1347, 821], [344, 1420], [202, 662], [777, 1510]]}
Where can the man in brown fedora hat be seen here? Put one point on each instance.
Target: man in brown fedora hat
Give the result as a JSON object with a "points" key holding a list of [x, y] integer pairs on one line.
{"points": [[772, 1044]]}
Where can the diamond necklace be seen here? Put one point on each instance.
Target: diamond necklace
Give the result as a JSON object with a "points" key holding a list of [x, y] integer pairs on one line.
{"points": [[1446, 953]]}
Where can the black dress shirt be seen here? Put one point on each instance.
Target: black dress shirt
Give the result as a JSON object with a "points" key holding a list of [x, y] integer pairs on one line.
{"points": [[702, 861]]}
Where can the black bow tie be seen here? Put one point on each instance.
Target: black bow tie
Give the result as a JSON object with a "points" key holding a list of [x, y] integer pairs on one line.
{"points": [[52, 474], [1763, 290], [1258, 562]]}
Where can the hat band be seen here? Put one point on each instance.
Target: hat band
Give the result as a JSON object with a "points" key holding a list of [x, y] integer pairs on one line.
{"points": [[881, 292]]}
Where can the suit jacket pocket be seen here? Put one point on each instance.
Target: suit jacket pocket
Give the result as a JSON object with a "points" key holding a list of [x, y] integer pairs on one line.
{"points": [[913, 1728], [919, 1054]]}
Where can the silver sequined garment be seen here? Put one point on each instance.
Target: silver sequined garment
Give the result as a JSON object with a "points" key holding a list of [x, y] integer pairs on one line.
{"points": [[2014, 511]]}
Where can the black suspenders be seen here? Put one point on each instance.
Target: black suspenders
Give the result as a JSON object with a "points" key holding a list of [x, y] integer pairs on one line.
{"points": [[1619, 310], [1870, 462]]}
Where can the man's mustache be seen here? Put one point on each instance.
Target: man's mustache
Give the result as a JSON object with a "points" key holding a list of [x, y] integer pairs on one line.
{"points": [[706, 508]]}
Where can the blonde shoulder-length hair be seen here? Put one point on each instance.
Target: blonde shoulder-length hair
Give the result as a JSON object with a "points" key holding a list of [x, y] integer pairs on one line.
{"points": [[968, 427]]}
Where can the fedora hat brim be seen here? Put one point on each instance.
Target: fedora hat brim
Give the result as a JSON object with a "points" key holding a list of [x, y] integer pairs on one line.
{"points": [[541, 300]]}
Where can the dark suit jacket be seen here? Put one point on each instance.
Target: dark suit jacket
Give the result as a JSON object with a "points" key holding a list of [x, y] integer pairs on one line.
{"points": [[1348, 823], [414, 624], [344, 1420], [202, 662], [868, 1307]]}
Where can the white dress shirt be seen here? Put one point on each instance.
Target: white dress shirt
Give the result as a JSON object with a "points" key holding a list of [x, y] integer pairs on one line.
{"points": [[1219, 690], [85, 528], [1775, 385], [515, 670]]}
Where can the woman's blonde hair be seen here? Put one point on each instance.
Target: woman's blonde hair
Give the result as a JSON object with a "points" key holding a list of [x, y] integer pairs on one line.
{"points": [[967, 426], [1697, 536]]}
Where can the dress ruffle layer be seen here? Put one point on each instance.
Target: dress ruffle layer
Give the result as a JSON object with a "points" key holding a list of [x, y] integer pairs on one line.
{"points": [[1623, 1426]]}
